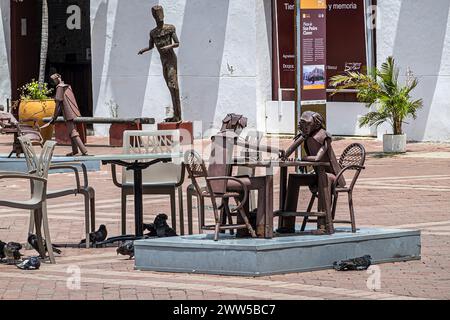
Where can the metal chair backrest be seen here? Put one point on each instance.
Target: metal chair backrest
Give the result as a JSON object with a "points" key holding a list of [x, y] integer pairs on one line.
{"points": [[196, 168], [154, 142], [353, 155]]}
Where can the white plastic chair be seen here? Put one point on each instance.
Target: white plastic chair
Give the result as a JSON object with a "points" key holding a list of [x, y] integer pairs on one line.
{"points": [[84, 189], [37, 204], [158, 179]]}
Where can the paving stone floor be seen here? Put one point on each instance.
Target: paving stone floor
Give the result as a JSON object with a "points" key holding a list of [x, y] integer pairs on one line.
{"points": [[410, 191]]}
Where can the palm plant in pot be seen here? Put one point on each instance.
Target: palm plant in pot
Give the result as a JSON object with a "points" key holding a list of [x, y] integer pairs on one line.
{"points": [[390, 100]]}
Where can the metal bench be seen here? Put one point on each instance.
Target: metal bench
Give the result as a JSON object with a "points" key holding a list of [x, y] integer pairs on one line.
{"points": [[115, 135], [104, 120]]}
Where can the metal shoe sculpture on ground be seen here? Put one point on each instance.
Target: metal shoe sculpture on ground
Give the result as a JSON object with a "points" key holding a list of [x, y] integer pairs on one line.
{"points": [[357, 264]]}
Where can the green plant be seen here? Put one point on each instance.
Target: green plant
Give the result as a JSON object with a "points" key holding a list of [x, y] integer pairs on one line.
{"points": [[35, 91], [113, 108], [381, 88]]}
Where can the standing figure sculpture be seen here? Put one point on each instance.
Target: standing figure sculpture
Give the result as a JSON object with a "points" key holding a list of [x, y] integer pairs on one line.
{"points": [[165, 39], [66, 104], [317, 143]]}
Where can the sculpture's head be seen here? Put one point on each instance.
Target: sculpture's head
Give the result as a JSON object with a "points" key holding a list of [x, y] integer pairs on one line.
{"points": [[234, 122], [158, 13], [310, 122], [56, 78]]}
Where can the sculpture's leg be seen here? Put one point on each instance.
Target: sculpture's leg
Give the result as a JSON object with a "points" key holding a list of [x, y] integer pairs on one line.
{"points": [[325, 224], [171, 77], [175, 92], [287, 224], [75, 138]]}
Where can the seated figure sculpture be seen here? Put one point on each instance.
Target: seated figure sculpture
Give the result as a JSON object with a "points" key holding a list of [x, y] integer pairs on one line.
{"points": [[222, 146], [220, 164], [317, 144]]}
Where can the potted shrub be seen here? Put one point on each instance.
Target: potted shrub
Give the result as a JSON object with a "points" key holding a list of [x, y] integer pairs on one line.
{"points": [[35, 103], [391, 100]]}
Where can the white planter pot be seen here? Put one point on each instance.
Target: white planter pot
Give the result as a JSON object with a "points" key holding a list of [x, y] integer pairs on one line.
{"points": [[394, 143]]}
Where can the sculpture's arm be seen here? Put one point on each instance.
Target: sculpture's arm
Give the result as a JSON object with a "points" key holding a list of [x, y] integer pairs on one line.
{"points": [[58, 110], [151, 45], [298, 141], [175, 44], [321, 154], [259, 147]]}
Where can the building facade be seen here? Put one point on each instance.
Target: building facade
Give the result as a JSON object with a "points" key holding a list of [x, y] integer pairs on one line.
{"points": [[226, 59]]}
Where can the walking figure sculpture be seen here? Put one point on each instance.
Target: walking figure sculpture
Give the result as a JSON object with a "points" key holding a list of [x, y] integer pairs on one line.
{"points": [[165, 39], [66, 104]]}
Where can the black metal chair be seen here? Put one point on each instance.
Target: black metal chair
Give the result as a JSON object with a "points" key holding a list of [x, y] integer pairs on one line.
{"points": [[352, 159]]}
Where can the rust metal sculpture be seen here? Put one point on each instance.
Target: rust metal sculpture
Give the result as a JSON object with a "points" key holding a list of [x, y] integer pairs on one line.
{"points": [[29, 128], [67, 105], [317, 144], [165, 38]]}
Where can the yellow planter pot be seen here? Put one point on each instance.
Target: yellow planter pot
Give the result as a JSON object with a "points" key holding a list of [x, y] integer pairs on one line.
{"points": [[38, 109]]}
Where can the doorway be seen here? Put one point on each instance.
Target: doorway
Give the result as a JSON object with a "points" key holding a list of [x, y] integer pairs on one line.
{"points": [[25, 43], [69, 46]]}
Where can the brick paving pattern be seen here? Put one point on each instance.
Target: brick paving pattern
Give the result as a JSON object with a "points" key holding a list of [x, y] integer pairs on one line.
{"points": [[409, 191]]}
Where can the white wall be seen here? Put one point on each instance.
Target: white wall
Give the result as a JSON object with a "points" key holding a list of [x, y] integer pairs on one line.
{"points": [[264, 60], [417, 34], [5, 43], [343, 119], [219, 58]]}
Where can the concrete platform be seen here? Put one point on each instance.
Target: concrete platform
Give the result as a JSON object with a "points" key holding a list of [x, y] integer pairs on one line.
{"points": [[14, 164], [261, 257]]}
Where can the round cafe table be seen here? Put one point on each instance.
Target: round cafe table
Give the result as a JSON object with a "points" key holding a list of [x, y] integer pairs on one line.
{"points": [[265, 215], [135, 163]]}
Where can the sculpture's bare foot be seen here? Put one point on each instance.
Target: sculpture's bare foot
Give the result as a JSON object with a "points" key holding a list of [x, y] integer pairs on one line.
{"points": [[319, 232], [285, 230], [173, 120], [72, 154]]}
